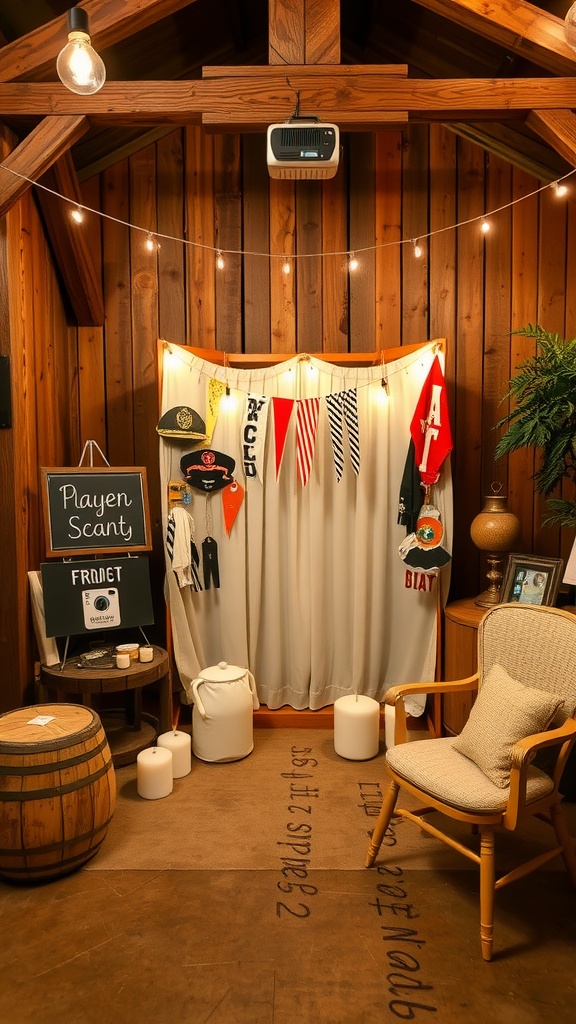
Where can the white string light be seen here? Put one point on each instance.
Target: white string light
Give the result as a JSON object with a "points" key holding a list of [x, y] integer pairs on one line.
{"points": [[220, 262], [417, 249], [152, 239], [352, 262], [77, 215]]}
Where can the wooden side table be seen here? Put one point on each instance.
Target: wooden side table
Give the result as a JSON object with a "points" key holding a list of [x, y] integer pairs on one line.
{"points": [[461, 621], [129, 734]]}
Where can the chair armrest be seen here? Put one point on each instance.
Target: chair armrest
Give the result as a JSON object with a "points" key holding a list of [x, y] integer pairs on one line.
{"points": [[523, 753], [396, 693], [395, 698]]}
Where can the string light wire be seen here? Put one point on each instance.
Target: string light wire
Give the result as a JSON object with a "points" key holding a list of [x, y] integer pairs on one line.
{"points": [[482, 219]]}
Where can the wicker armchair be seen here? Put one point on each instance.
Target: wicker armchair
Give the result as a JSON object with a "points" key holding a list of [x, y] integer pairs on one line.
{"points": [[526, 707]]}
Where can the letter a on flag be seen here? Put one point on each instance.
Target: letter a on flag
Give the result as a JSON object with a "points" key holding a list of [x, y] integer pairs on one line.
{"points": [[430, 426]]}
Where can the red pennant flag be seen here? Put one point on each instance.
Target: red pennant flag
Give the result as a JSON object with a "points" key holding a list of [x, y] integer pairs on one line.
{"points": [[430, 426], [306, 424], [282, 411]]}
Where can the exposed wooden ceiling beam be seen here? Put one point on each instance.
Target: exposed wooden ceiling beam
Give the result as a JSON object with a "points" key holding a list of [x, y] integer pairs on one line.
{"points": [[41, 148], [252, 101], [519, 26], [73, 254], [111, 21], [558, 129]]}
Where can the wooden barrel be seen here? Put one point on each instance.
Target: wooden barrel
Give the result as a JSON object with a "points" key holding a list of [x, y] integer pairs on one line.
{"points": [[57, 790]]}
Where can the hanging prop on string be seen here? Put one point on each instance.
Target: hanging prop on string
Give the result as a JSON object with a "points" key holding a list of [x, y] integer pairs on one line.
{"points": [[182, 549], [307, 411], [282, 411], [430, 426], [232, 498], [207, 470], [343, 407], [254, 435], [181, 423], [423, 548], [215, 390], [210, 567]]}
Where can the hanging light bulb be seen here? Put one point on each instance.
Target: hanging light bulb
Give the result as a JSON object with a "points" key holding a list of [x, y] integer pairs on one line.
{"points": [[559, 189], [78, 65], [220, 261], [78, 215], [286, 268], [485, 226], [352, 262], [417, 249], [570, 27], [149, 242]]}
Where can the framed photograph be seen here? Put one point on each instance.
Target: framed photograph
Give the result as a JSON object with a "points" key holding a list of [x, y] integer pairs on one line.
{"points": [[531, 579]]}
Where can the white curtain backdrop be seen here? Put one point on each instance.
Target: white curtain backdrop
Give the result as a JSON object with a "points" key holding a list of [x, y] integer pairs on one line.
{"points": [[314, 598]]}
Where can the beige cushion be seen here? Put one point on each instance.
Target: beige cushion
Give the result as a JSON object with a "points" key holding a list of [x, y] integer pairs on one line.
{"points": [[504, 712]]}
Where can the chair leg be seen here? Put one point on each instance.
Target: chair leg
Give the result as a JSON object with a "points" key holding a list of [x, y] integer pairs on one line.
{"points": [[487, 881], [387, 810], [564, 840]]}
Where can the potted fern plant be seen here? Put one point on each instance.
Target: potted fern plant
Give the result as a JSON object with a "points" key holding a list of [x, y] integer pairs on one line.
{"points": [[543, 416]]}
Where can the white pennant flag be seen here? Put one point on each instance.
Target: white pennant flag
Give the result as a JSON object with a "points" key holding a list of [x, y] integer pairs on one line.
{"points": [[254, 435]]}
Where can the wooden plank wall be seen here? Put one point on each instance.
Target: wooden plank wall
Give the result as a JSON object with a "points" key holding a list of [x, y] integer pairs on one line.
{"points": [[200, 193]]}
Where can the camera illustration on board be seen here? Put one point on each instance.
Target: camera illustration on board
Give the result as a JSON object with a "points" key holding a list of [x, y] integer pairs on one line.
{"points": [[101, 608]]}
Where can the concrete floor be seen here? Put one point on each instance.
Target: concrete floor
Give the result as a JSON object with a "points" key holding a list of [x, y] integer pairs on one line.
{"points": [[102, 947]]}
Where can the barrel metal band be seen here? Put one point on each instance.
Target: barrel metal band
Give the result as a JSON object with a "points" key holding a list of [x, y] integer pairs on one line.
{"points": [[52, 766], [10, 796]]}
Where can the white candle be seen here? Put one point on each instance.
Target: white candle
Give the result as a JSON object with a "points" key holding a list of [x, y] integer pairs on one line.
{"points": [[180, 743], [154, 773], [146, 654], [356, 727], [122, 661]]}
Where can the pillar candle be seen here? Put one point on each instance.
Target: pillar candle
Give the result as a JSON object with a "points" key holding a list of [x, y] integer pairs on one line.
{"points": [[154, 773], [180, 743], [356, 727], [389, 725]]}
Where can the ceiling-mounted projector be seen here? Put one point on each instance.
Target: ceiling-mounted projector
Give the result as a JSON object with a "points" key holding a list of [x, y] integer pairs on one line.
{"points": [[303, 149]]}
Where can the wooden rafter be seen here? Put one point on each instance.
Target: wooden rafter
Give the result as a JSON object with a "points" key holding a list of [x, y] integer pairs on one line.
{"points": [[39, 151], [558, 129], [516, 25]]}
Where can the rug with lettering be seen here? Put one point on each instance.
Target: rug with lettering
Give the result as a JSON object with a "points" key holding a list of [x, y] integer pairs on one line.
{"points": [[292, 801]]}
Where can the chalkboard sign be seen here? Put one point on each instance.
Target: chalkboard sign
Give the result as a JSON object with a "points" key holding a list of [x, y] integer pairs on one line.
{"points": [[99, 511], [100, 594]]}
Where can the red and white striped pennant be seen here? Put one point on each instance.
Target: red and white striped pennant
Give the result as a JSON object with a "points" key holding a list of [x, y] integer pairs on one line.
{"points": [[306, 424]]}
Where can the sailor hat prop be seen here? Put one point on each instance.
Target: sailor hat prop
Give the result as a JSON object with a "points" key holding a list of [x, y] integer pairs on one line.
{"points": [[208, 470], [182, 422]]}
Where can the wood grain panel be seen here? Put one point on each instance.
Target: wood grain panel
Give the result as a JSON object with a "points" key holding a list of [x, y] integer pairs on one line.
{"points": [[467, 461], [496, 359], [322, 32], [170, 218], [415, 202], [361, 233], [228, 236], [282, 286], [118, 337], [256, 239], [524, 281], [309, 268], [199, 218], [334, 273], [388, 234], [90, 340], [286, 32], [442, 253]]}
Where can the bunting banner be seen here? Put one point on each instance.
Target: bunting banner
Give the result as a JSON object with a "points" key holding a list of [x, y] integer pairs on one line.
{"points": [[306, 424], [254, 435], [430, 426], [343, 406], [282, 411], [216, 389]]}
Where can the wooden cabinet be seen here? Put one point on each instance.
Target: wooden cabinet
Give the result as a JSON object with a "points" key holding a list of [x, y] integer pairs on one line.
{"points": [[461, 620]]}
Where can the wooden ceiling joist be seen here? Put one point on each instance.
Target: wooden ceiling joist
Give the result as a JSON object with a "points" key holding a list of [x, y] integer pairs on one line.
{"points": [[254, 100], [39, 151], [73, 254], [518, 26], [303, 32], [558, 129]]}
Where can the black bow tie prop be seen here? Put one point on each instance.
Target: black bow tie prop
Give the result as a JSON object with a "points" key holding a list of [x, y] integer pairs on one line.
{"points": [[208, 470]]}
